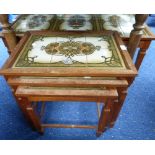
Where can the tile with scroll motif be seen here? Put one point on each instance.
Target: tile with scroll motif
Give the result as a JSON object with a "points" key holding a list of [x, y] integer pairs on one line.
{"points": [[70, 51], [122, 23], [32, 22]]}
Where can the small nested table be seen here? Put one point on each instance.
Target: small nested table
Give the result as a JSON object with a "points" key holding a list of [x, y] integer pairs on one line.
{"points": [[70, 66]]}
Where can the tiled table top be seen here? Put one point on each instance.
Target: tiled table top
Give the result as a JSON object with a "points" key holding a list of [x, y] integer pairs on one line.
{"points": [[70, 51], [81, 22]]}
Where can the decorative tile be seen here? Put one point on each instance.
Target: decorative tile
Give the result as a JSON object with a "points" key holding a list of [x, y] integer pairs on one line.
{"points": [[70, 51], [121, 23], [76, 22], [33, 22]]}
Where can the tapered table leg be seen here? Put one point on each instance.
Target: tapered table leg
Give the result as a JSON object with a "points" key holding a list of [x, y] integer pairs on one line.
{"points": [[141, 54]]}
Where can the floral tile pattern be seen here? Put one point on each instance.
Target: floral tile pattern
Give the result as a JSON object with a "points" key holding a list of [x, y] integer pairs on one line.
{"points": [[120, 23], [33, 22], [123, 23], [76, 22], [70, 51]]}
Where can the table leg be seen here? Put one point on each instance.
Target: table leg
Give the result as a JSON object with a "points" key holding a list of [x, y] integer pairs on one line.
{"points": [[104, 117], [21, 105], [30, 113], [8, 33], [117, 106], [136, 33], [141, 53]]}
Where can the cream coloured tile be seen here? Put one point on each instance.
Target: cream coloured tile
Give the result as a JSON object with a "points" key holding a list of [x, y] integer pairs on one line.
{"points": [[23, 24], [68, 16], [121, 23], [101, 52], [98, 41], [86, 22], [65, 26]]}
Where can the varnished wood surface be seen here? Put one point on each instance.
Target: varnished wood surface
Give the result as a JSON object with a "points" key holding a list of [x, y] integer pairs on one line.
{"points": [[66, 98], [29, 112], [104, 119], [136, 33], [68, 72], [118, 105], [141, 54], [16, 50], [68, 126], [9, 36], [25, 91], [62, 82]]}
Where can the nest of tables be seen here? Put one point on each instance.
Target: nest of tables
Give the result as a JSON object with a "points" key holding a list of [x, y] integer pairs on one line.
{"points": [[70, 66]]}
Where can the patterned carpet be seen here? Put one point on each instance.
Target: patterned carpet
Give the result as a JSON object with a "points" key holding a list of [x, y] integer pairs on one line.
{"points": [[136, 120]]}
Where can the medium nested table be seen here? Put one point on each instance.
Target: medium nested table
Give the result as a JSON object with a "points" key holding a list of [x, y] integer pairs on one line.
{"points": [[70, 66]]}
